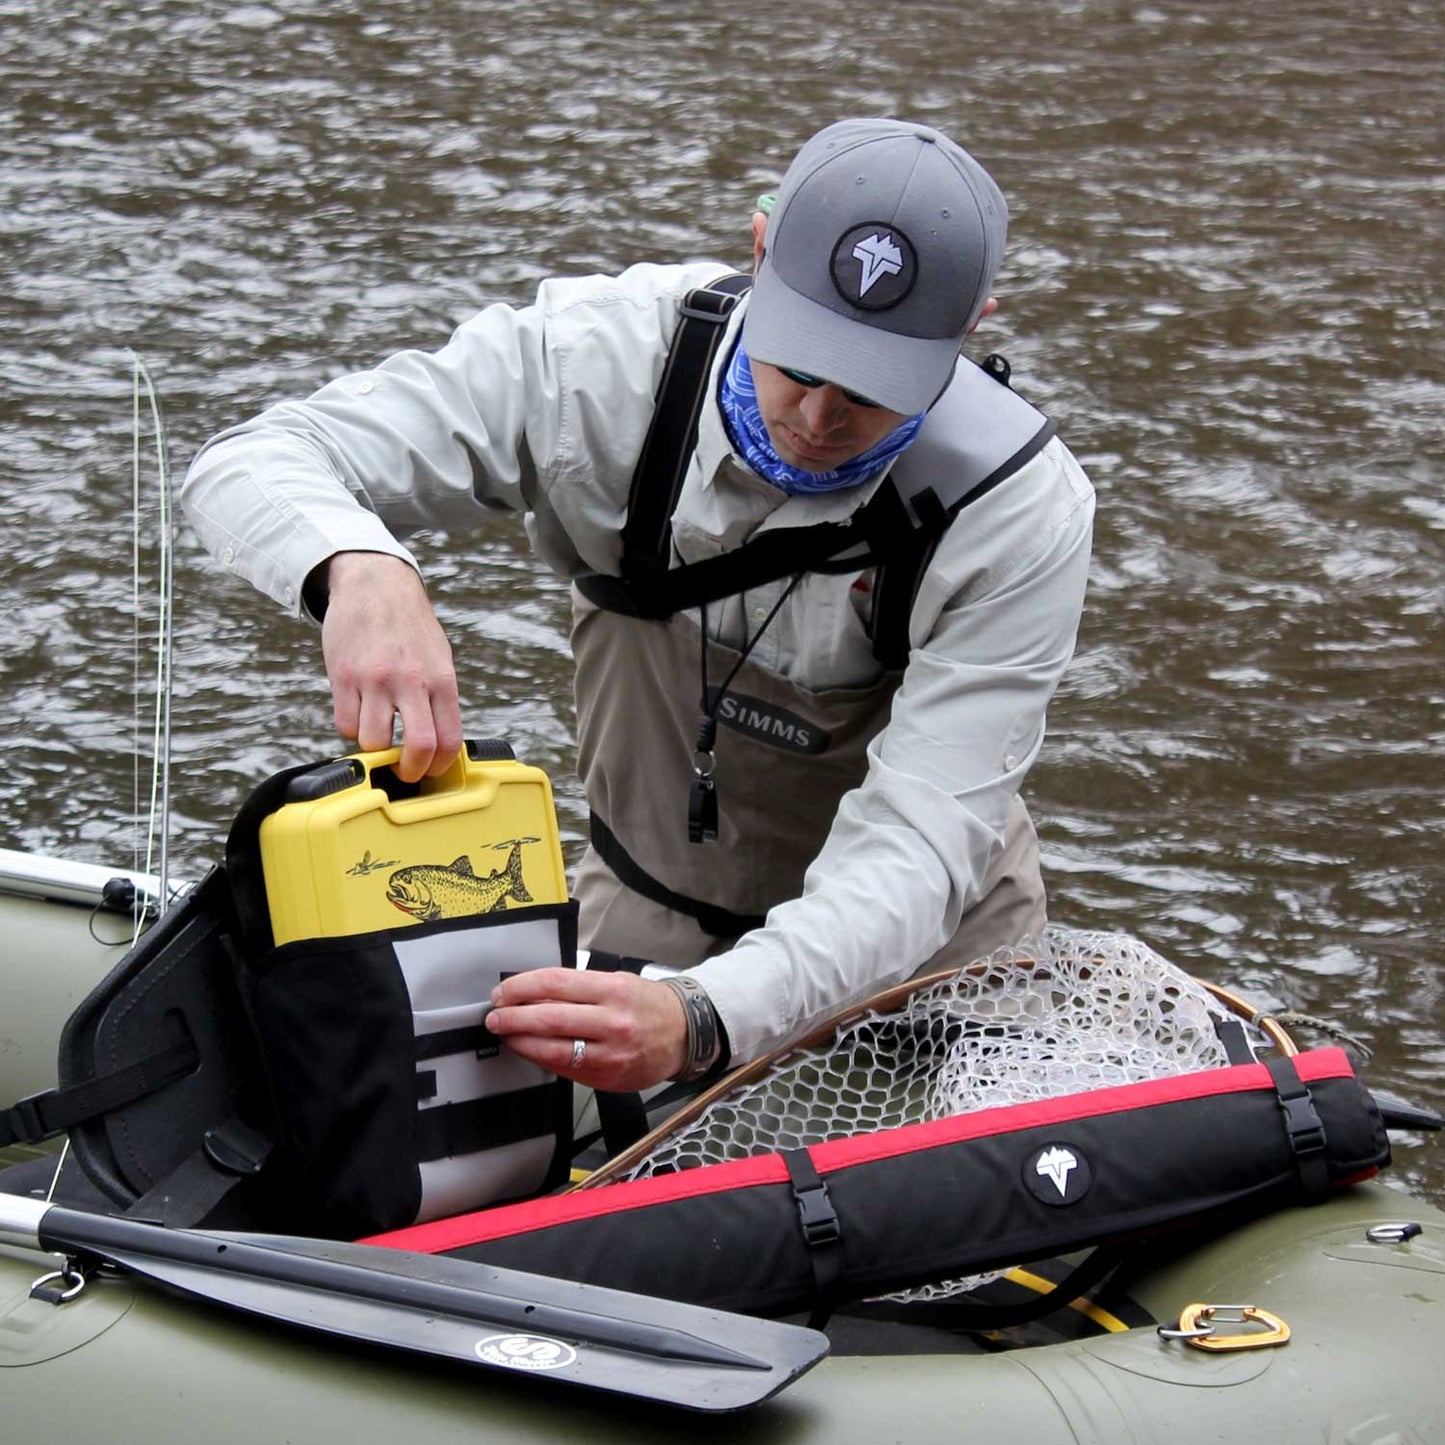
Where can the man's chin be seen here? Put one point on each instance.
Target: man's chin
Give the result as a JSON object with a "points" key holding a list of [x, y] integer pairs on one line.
{"points": [[796, 453]]}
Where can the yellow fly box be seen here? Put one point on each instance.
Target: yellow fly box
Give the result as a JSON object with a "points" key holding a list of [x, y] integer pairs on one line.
{"points": [[353, 849]]}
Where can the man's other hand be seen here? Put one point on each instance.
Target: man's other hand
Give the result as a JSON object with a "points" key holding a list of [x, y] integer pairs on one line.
{"points": [[632, 1030]]}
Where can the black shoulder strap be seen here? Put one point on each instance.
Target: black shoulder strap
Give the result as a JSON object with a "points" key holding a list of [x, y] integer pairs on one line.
{"points": [[897, 535], [895, 588], [672, 434]]}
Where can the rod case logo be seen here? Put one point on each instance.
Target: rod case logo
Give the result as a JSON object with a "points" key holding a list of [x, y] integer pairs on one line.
{"points": [[1058, 1174]]}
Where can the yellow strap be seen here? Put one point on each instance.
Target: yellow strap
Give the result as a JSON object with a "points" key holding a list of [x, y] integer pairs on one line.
{"points": [[1086, 1307]]}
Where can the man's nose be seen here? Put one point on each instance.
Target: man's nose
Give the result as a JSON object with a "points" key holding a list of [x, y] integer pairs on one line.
{"points": [[824, 408]]}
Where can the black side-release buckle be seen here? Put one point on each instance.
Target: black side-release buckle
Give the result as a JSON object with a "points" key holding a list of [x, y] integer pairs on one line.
{"points": [[818, 1217], [1303, 1126], [23, 1123]]}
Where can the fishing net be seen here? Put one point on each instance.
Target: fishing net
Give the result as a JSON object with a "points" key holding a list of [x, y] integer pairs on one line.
{"points": [[1069, 1012]]}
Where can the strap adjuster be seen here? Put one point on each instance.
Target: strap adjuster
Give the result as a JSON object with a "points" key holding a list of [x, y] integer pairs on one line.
{"points": [[717, 307], [24, 1121]]}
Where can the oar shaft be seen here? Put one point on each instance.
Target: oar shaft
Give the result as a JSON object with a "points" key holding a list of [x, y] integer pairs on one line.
{"points": [[20, 1220], [66, 1230]]}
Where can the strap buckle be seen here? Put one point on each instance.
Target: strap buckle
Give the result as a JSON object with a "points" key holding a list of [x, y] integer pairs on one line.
{"points": [[24, 1121], [819, 1220], [1303, 1124]]}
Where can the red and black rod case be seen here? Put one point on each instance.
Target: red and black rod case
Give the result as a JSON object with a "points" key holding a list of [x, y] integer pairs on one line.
{"points": [[876, 1213]]}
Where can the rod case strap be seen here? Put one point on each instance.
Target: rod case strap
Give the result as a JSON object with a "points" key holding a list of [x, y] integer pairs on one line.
{"points": [[1303, 1127], [822, 1232]]}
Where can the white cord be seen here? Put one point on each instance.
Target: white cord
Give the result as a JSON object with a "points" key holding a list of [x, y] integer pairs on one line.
{"points": [[158, 812]]}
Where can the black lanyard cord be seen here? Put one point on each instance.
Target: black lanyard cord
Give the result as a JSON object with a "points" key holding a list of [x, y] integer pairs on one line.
{"points": [[702, 801]]}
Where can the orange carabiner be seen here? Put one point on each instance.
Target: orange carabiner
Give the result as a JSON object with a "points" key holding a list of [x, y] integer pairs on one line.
{"points": [[1199, 1327]]}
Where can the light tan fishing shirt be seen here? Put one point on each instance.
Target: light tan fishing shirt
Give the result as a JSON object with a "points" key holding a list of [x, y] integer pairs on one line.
{"points": [[543, 410]]}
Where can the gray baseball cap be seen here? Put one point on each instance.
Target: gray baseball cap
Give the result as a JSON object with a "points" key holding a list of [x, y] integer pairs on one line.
{"points": [[879, 256]]}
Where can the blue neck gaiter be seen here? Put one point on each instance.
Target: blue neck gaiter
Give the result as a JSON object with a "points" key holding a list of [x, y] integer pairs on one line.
{"points": [[739, 400]]}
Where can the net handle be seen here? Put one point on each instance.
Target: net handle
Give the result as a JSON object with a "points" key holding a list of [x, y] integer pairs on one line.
{"points": [[1267, 1024], [884, 1002]]}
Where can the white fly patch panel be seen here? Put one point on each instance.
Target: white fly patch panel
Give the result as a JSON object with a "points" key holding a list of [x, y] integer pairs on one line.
{"points": [[450, 977]]}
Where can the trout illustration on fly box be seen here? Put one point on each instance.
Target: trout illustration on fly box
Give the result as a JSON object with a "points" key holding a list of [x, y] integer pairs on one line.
{"points": [[354, 849]]}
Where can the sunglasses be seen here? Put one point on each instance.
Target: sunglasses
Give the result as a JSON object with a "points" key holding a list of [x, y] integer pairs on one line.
{"points": [[803, 379]]}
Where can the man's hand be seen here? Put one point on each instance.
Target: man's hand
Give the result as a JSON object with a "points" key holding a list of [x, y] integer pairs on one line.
{"points": [[386, 656], [634, 1030]]}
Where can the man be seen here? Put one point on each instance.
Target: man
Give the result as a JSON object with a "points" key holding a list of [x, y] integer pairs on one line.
{"points": [[785, 810]]}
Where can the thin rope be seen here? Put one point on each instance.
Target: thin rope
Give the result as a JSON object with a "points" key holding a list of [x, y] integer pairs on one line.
{"points": [[158, 812]]}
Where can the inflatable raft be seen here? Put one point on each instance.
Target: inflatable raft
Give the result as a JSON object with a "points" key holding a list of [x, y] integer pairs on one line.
{"points": [[1320, 1322]]}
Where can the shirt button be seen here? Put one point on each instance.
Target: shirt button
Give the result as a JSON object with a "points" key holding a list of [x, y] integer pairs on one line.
{"points": [[1010, 762], [759, 613], [228, 556], [289, 595], [364, 388]]}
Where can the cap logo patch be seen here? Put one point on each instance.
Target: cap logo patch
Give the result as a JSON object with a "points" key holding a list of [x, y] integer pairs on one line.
{"points": [[880, 257], [874, 266]]}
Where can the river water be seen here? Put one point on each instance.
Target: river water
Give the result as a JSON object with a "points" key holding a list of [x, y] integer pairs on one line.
{"points": [[1223, 280]]}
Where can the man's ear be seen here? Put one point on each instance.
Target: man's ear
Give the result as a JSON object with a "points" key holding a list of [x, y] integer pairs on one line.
{"points": [[760, 226], [989, 307]]}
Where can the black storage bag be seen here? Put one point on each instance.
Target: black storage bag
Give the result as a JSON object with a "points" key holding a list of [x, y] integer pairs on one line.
{"points": [[337, 1086], [391, 1102]]}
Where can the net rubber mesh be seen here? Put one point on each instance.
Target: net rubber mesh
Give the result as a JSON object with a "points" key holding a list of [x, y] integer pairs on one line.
{"points": [[1067, 1012]]}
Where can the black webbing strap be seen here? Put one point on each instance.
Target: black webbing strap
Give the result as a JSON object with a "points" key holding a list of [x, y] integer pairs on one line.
{"points": [[720, 922], [471, 1038], [896, 586], [232, 1152], [448, 1130], [1304, 1127], [43, 1115], [476, 1039], [672, 435], [877, 531], [821, 1230]]}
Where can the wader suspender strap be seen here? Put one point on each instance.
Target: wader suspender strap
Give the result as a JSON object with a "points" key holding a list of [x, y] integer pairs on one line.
{"points": [[898, 539], [720, 922], [672, 435]]}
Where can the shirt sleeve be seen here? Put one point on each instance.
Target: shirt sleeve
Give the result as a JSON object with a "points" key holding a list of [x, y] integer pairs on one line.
{"points": [[993, 631], [539, 409]]}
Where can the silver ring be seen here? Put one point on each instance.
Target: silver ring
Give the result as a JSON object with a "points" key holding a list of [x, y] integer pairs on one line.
{"points": [[579, 1051]]}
